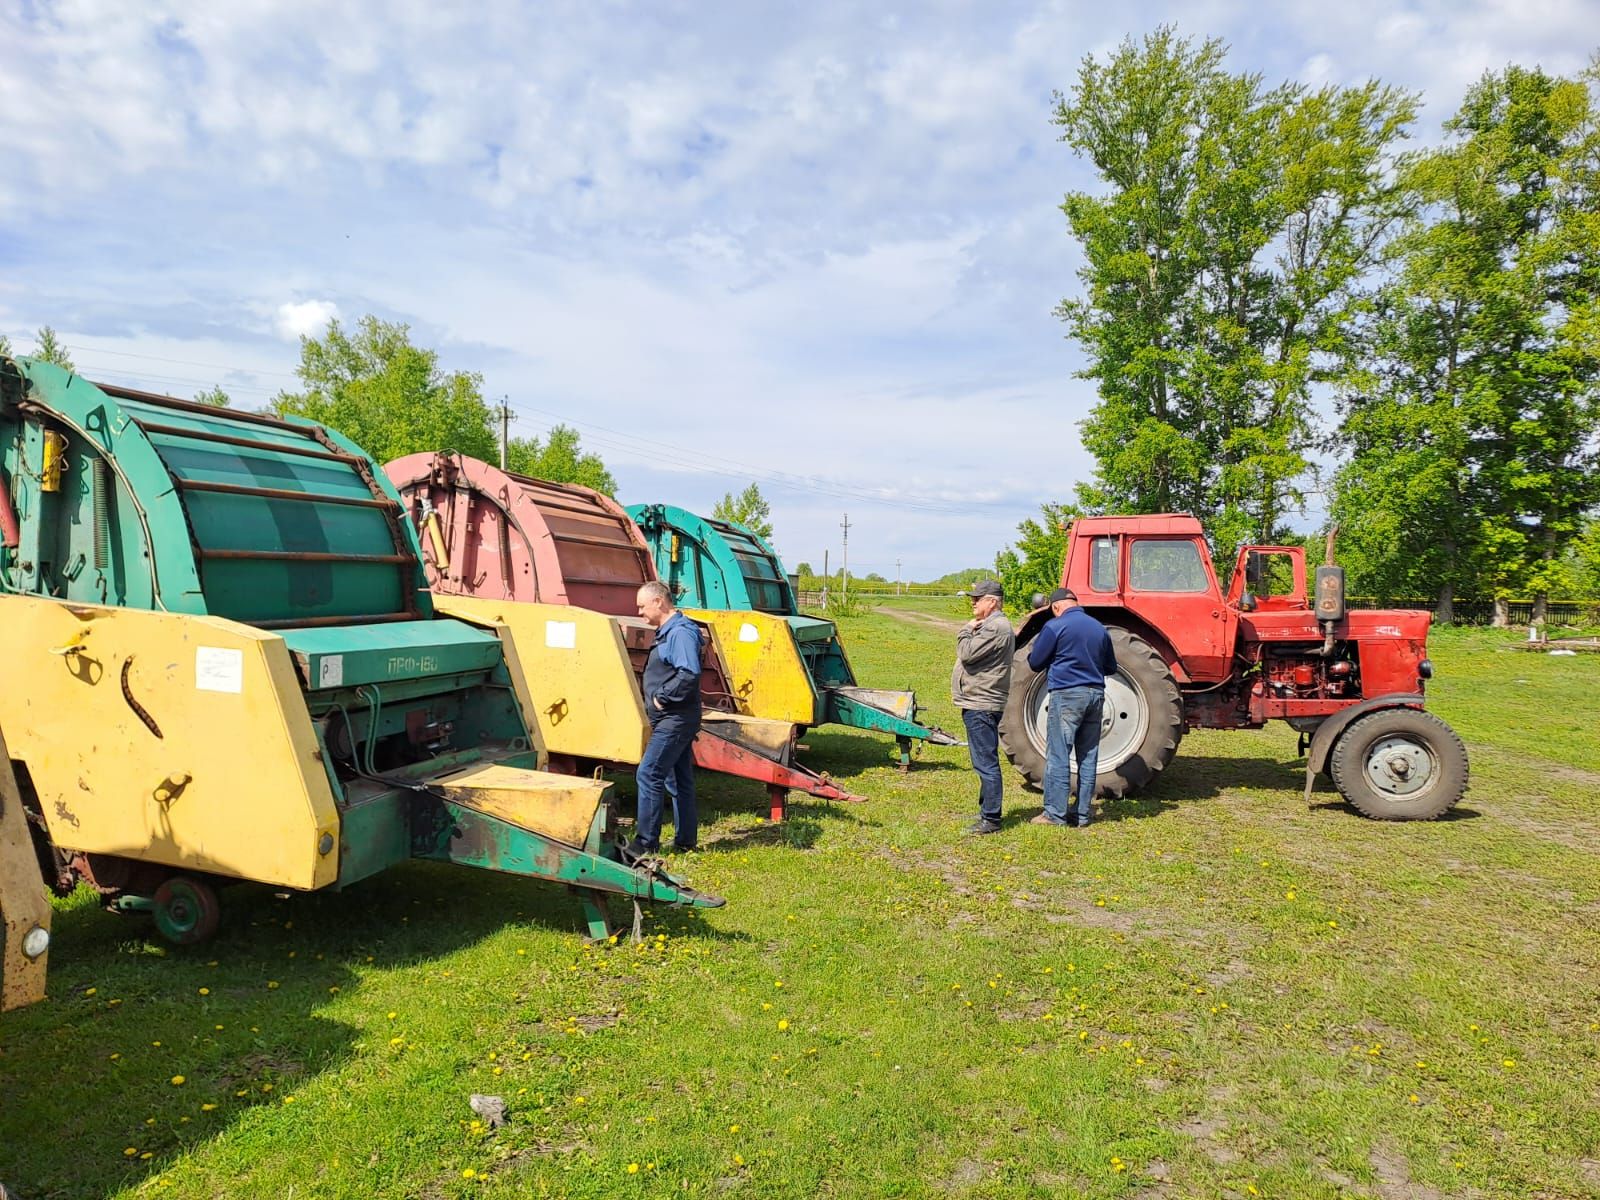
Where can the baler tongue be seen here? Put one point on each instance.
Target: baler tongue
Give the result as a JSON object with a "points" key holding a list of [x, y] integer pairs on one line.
{"points": [[888, 711], [525, 822], [760, 749]]}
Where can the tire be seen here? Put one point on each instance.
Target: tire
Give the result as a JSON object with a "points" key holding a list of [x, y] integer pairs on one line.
{"points": [[1399, 764], [186, 910], [1139, 735]]}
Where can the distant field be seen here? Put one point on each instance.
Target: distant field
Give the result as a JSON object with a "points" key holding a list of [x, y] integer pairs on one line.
{"points": [[1215, 991]]}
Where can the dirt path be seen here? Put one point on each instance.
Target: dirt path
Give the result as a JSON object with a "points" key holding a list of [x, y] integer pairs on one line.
{"points": [[917, 618]]}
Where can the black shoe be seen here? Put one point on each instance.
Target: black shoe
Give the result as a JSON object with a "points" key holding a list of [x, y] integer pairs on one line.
{"points": [[680, 848], [634, 851], [1081, 823], [982, 826]]}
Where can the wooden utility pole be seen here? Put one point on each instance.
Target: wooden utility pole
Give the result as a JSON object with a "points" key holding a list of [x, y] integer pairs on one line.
{"points": [[897, 577], [826, 579]]}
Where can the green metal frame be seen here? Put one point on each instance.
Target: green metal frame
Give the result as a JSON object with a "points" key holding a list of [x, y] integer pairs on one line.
{"points": [[718, 564]]}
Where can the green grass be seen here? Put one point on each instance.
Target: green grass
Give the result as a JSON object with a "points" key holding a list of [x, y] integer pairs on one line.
{"points": [[1215, 991]]}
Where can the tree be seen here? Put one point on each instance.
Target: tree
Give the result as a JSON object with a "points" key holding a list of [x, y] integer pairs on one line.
{"points": [[749, 508], [1034, 565], [1474, 431], [387, 395], [48, 348], [1220, 265], [5, 346], [213, 396], [560, 460], [804, 570]]}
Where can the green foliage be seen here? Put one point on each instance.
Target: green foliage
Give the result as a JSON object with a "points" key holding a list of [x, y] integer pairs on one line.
{"points": [[749, 508], [560, 459], [5, 346], [1034, 564], [48, 348], [1471, 409], [805, 570], [213, 396], [388, 395], [1220, 265]]}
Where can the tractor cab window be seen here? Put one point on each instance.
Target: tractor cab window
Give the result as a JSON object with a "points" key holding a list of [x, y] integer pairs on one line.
{"points": [[1103, 564], [1268, 574], [1166, 565]]}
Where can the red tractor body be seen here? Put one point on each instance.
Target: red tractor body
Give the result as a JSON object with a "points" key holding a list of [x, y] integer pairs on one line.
{"points": [[1190, 656]]}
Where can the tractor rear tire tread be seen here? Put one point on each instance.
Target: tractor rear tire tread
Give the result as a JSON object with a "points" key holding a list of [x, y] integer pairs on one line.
{"points": [[1138, 659]]}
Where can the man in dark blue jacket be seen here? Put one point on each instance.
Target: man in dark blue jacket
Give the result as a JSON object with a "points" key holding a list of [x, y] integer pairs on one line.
{"points": [[672, 701], [1077, 650]]}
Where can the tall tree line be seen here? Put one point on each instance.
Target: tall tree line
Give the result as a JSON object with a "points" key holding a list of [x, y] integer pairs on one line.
{"points": [[1256, 256]]}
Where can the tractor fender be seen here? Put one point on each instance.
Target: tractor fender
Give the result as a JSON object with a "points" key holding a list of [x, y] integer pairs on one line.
{"points": [[1328, 732]]}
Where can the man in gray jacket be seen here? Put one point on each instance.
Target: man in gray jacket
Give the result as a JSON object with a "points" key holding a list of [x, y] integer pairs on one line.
{"points": [[979, 686]]}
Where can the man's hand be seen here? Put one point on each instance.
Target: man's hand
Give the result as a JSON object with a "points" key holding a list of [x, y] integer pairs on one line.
{"points": [[656, 700]]}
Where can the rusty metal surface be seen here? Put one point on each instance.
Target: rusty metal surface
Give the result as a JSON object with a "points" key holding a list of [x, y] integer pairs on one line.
{"points": [[24, 903], [511, 537]]}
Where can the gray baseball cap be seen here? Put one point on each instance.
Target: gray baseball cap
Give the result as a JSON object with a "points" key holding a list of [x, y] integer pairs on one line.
{"points": [[986, 587]]}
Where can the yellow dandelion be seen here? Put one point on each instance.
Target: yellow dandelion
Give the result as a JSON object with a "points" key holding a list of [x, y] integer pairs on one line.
{"points": [[1289, 895], [208, 1107], [271, 983], [288, 1099], [90, 991], [633, 1168], [242, 1092], [393, 1015], [178, 1081], [468, 1173], [131, 1151], [205, 991], [1414, 1098], [146, 1156], [333, 989], [733, 1129], [782, 1024], [1508, 1062], [738, 1160], [1333, 924], [579, 1100], [266, 1087], [114, 1057]]}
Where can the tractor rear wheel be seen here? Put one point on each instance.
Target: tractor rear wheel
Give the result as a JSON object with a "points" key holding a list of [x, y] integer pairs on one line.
{"points": [[1139, 732], [186, 910], [1399, 764]]}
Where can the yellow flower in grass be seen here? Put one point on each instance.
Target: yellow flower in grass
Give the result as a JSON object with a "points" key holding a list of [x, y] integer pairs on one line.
{"points": [[130, 1151], [208, 1107], [205, 991], [633, 1168], [783, 1024], [178, 1081], [468, 1173]]}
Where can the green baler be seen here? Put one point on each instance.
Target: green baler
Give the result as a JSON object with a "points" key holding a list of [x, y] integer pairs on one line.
{"points": [[722, 566], [225, 664]]}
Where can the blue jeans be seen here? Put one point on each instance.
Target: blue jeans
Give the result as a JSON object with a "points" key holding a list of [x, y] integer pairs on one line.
{"points": [[1073, 725], [668, 767], [983, 746]]}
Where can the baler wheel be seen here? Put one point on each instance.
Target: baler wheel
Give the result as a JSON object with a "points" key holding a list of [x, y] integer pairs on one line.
{"points": [[186, 910], [1142, 726], [1399, 764]]}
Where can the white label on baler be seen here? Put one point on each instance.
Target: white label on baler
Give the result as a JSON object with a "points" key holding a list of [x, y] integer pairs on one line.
{"points": [[330, 671], [561, 635], [749, 633], [218, 669]]}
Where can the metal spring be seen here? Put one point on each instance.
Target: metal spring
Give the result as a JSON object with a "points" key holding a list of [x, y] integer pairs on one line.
{"points": [[102, 514]]}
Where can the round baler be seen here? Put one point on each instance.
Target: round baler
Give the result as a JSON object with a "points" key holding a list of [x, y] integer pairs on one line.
{"points": [[560, 566], [226, 665], [730, 577]]}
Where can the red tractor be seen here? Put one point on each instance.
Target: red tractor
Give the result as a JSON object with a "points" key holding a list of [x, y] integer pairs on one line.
{"points": [[1350, 683]]}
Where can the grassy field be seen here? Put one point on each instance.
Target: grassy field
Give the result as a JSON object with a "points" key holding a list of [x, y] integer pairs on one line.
{"points": [[1214, 991]]}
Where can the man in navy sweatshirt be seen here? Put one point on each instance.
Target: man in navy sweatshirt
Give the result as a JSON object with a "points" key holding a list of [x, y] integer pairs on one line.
{"points": [[1077, 650], [672, 701]]}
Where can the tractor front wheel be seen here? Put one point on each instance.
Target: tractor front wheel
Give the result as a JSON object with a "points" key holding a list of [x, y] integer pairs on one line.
{"points": [[1139, 731], [1400, 764], [186, 910]]}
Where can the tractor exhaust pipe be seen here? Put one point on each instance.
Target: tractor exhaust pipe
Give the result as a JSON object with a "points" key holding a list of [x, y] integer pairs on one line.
{"points": [[1330, 604]]}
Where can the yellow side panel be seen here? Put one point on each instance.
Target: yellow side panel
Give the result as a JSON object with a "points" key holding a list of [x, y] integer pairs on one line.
{"points": [[757, 733], [768, 676], [231, 784], [559, 806], [585, 697], [24, 903]]}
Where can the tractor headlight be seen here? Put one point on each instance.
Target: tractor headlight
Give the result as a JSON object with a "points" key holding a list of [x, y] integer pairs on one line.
{"points": [[1425, 669]]}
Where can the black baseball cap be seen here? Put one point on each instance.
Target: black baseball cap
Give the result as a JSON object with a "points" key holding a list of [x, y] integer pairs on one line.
{"points": [[986, 587], [1061, 594]]}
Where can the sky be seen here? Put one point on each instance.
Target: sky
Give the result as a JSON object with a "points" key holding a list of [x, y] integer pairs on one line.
{"points": [[817, 247]]}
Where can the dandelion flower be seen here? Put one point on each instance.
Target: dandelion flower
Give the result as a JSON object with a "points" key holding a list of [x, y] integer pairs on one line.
{"points": [[1289, 895], [271, 983], [633, 1168], [207, 1107], [131, 1151], [114, 1057], [468, 1173], [733, 1129], [783, 1024], [1508, 1062], [205, 991], [178, 1081]]}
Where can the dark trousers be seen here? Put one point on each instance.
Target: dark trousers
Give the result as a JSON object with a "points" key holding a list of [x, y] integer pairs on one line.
{"points": [[668, 768], [983, 746]]}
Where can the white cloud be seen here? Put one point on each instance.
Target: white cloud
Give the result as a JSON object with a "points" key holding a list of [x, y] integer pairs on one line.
{"points": [[304, 319]]}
